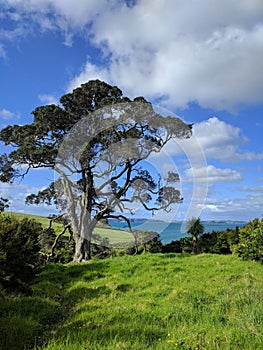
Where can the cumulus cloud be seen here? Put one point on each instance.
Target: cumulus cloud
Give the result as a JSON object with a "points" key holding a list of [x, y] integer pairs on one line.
{"points": [[89, 72], [217, 140], [223, 205], [220, 140], [209, 52], [212, 175], [63, 15]]}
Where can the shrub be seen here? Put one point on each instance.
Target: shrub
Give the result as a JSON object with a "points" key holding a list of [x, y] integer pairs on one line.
{"points": [[250, 245], [219, 242], [186, 244], [172, 247], [148, 241], [19, 252]]}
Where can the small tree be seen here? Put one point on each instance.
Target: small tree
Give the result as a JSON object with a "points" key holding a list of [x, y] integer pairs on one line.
{"points": [[4, 204], [194, 228], [96, 141], [250, 246]]}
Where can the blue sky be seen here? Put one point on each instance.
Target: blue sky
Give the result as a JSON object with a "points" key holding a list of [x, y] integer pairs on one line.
{"points": [[200, 60]]}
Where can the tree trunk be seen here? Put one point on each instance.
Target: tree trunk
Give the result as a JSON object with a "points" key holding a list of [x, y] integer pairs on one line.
{"points": [[195, 239], [82, 249], [82, 235]]}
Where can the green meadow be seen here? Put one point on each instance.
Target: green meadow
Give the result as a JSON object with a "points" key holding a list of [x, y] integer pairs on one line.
{"points": [[148, 301]]}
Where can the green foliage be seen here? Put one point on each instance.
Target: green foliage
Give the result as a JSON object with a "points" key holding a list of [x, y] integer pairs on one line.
{"points": [[250, 246], [172, 247], [215, 242], [183, 245], [19, 252], [150, 301], [186, 244], [3, 204], [219, 242], [148, 241], [194, 228], [63, 250]]}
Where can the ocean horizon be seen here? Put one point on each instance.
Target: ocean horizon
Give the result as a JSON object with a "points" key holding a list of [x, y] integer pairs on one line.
{"points": [[173, 231]]}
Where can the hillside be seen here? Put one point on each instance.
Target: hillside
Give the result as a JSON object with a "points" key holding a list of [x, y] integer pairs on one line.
{"points": [[116, 237], [150, 301]]}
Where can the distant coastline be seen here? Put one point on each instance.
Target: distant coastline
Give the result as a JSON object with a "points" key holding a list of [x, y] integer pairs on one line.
{"points": [[172, 231]]}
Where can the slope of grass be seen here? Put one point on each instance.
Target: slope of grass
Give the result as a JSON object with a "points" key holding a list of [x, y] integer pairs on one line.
{"points": [[151, 301], [115, 237]]}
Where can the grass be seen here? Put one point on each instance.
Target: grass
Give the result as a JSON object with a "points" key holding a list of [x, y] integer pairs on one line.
{"points": [[151, 301], [115, 237]]}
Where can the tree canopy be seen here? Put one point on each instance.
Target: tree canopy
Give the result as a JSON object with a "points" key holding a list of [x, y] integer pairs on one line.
{"points": [[96, 141], [194, 228]]}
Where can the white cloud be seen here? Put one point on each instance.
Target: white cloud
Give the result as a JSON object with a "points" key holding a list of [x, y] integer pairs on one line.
{"points": [[245, 208], [6, 114], [257, 189], [220, 205], [217, 140], [212, 175], [17, 192], [48, 99], [2, 51], [63, 15], [89, 72], [209, 52]]}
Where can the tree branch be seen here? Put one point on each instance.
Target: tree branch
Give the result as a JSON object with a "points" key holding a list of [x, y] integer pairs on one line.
{"points": [[48, 256]]}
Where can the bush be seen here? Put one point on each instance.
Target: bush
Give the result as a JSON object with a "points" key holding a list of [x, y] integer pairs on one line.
{"points": [[216, 242], [148, 241], [219, 242], [172, 247], [250, 245], [19, 252], [186, 244]]}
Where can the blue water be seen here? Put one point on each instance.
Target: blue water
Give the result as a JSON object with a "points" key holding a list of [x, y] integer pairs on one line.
{"points": [[174, 231]]}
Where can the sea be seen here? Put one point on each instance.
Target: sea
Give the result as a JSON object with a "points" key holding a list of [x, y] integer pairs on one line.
{"points": [[172, 231]]}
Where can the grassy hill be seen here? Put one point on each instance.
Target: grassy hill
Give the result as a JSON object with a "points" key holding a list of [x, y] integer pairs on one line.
{"points": [[151, 301], [116, 237]]}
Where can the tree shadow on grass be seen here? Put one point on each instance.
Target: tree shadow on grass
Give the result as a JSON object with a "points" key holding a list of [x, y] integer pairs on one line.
{"points": [[23, 320], [121, 328], [68, 273], [58, 277], [27, 321], [80, 293]]}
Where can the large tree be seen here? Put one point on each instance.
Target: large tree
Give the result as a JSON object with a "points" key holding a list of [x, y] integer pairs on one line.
{"points": [[96, 140]]}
